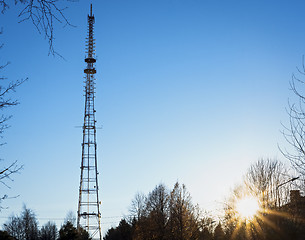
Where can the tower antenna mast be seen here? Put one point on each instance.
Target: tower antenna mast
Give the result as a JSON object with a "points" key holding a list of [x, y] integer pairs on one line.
{"points": [[88, 214]]}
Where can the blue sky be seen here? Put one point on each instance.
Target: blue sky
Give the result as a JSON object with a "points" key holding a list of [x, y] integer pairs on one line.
{"points": [[193, 91]]}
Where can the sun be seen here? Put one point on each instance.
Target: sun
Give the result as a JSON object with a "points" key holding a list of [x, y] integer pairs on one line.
{"points": [[247, 207]]}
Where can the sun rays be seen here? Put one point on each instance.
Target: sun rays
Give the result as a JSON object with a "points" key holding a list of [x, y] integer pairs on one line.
{"points": [[247, 207], [250, 217]]}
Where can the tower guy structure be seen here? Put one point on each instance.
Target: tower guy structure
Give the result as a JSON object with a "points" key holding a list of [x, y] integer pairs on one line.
{"points": [[88, 214]]}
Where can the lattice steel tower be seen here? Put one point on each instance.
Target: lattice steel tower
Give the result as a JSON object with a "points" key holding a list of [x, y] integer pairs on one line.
{"points": [[88, 214]]}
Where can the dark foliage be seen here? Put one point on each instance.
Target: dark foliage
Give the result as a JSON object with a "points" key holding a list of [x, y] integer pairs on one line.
{"points": [[69, 232], [5, 236], [48, 231], [122, 232]]}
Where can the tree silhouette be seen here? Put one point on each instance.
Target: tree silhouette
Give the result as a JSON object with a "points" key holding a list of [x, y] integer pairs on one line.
{"points": [[69, 232], [294, 133], [24, 226], [219, 233], [164, 214], [48, 231], [263, 179], [6, 101], [184, 216], [123, 232], [5, 236]]}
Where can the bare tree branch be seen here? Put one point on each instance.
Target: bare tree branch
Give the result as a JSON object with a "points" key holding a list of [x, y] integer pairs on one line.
{"points": [[3, 5], [294, 133], [6, 172], [5, 176], [43, 14]]}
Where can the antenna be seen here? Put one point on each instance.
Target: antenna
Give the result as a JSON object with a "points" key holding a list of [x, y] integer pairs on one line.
{"points": [[88, 213]]}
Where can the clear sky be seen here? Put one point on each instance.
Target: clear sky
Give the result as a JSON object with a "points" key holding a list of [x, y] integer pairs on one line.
{"points": [[187, 90]]}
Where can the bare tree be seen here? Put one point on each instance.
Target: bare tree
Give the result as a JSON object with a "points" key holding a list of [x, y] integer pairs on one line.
{"points": [[5, 96], [137, 208], [294, 133], [158, 208], [151, 214], [5, 175], [70, 217], [166, 214], [7, 170], [263, 179], [184, 216], [265, 183], [14, 227], [43, 14], [24, 226]]}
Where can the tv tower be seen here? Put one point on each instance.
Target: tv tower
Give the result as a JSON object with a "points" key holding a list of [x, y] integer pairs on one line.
{"points": [[88, 214]]}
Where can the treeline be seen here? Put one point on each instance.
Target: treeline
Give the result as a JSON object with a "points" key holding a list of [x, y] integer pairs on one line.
{"points": [[25, 227], [163, 214], [169, 214]]}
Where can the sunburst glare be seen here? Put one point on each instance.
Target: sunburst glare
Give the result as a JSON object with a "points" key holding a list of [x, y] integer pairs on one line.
{"points": [[247, 207]]}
